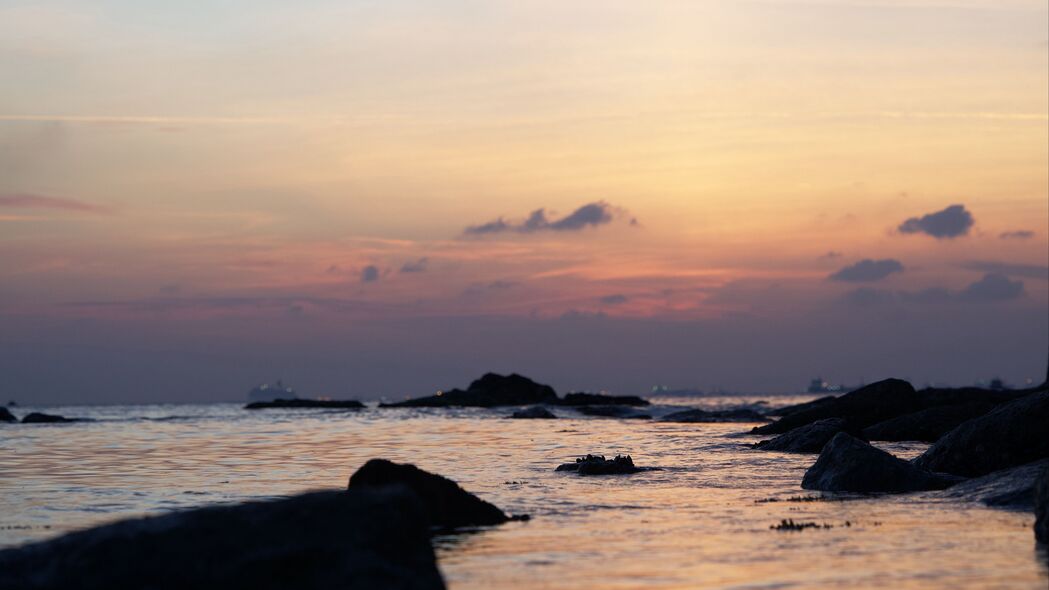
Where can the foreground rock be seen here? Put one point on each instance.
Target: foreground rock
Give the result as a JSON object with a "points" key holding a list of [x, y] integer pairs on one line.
{"points": [[347, 404], [600, 399], [863, 407], [6, 415], [41, 418], [361, 539], [598, 465], [694, 416], [1012, 488], [794, 409], [848, 464], [1010, 435], [926, 425], [446, 504], [1041, 508], [489, 391], [535, 412], [613, 412], [810, 438]]}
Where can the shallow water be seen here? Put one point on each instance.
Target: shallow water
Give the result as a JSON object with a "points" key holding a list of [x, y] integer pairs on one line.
{"points": [[701, 521]]}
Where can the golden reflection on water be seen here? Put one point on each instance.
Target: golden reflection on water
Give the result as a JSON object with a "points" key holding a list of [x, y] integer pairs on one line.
{"points": [[695, 523]]}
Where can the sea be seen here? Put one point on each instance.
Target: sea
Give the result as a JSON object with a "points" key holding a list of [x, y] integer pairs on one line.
{"points": [[706, 518]]}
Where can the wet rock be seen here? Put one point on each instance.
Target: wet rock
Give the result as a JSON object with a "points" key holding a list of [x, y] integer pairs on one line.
{"points": [[348, 404], [6, 415], [446, 504], [863, 407], [926, 425], [598, 465], [600, 399], [359, 539], [1010, 435], [810, 438], [613, 412], [696, 415], [41, 418], [848, 464], [534, 412], [1041, 508], [1012, 488], [489, 391]]}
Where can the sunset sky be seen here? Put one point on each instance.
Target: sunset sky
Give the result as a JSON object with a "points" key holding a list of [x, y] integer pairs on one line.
{"points": [[387, 198]]}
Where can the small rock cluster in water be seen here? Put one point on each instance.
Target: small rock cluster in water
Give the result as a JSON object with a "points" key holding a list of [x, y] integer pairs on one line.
{"points": [[598, 465], [788, 524]]}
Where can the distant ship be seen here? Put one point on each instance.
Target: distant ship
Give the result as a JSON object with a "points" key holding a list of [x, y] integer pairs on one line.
{"points": [[818, 385], [268, 392]]}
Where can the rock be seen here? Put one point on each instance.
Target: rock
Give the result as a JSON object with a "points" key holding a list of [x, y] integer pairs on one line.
{"points": [[489, 391], [1041, 508], [932, 397], [533, 412], [810, 438], [613, 412], [1012, 434], [598, 465], [6, 415], [695, 415], [600, 399], [868, 405], [1012, 488], [41, 418], [794, 409], [347, 404], [926, 425], [446, 504], [359, 539], [848, 464]]}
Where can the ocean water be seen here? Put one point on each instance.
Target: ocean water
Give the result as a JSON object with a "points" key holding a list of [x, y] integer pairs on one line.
{"points": [[702, 521]]}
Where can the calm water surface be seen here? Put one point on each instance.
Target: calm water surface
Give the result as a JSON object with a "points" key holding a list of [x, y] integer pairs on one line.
{"points": [[700, 522]]}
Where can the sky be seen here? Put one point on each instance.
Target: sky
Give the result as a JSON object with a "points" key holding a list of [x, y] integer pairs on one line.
{"points": [[382, 199]]}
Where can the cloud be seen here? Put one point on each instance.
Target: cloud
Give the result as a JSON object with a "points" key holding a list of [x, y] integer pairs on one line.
{"points": [[952, 222], [1020, 234], [867, 271], [27, 201], [419, 265], [589, 215], [616, 299], [369, 274], [1027, 271], [992, 287]]}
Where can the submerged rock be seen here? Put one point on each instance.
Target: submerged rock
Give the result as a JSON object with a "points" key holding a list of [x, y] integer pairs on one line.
{"points": [[489, 391], [1041, 508], [41, 418], [865, 406], [848, 464], [360, 539], [926, 425], [696, 415], [6, 415], [613, 412], [810, 438], [347, 404], [1009, 488], [595, 399], [598, 465], [446, 504], [535, 412], [1011, 434]]}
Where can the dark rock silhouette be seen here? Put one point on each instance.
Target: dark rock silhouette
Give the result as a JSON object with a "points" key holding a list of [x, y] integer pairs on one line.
{"points": [[795, 408], [1011, 488], [1041, 508], [598, 465], [6, 415], [361, 539], [613, 412], [810, 438], [535, 412], [952, 396], [600, 399], [1011, 434], [347, 404], [489, 391], [696, 415], [926, 425], [446, 504], [41, 418], [865, 406], [848, 464]]}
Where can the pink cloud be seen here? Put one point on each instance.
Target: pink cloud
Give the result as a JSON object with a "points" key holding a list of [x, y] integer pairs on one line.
{"points": [[27, 201]]}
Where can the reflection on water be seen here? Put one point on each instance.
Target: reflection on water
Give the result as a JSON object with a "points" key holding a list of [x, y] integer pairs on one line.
{"points": [[698, 522]]}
